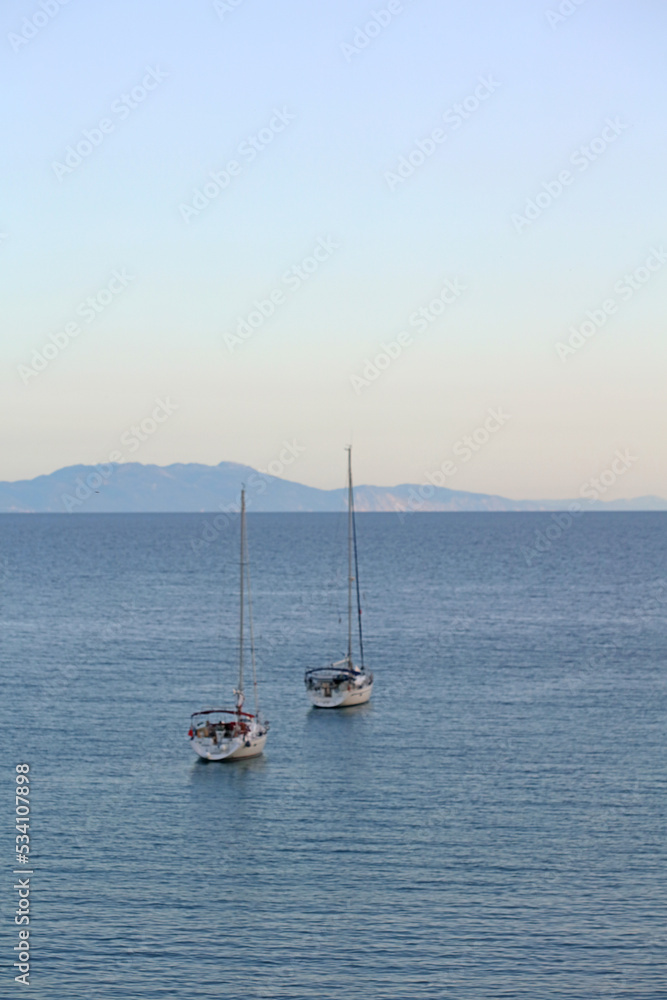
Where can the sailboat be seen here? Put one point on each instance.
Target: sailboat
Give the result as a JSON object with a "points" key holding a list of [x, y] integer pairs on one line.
{"points": [[232, 733], [342, 684]]}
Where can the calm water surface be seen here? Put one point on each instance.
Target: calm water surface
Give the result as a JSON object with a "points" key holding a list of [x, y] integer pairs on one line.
{"points": [[491, 825]]}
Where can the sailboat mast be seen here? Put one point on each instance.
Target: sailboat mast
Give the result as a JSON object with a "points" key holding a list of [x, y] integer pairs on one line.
{"points": [[350, 578], [356, 573], [239, 693], [250, 624]]}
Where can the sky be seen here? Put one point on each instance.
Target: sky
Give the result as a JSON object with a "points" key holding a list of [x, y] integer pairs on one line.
{"points": [[251, 230]]}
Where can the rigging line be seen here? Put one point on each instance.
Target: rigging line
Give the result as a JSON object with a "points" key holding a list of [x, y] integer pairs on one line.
{"points": [[350, 524], [332, 590], [250, 624], [239, 698], [356, 572]]}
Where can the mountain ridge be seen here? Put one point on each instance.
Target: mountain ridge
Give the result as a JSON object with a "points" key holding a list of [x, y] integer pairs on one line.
{"points": [[192, 487]]}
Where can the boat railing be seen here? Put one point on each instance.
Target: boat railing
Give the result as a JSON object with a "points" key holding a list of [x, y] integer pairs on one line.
{"points": [[234, 712]]}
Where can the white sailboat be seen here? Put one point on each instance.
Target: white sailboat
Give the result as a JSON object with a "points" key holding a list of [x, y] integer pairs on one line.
{"points": [[231, 733], [342, 684]]}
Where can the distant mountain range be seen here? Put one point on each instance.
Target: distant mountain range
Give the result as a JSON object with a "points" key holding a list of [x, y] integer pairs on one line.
{"points": [[135, 488]]}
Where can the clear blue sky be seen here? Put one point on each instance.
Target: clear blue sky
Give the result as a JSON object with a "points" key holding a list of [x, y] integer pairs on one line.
{"points": [[334, 113]]}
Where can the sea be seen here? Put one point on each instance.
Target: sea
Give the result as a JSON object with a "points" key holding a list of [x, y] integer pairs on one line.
{"points": [[490, 825]]}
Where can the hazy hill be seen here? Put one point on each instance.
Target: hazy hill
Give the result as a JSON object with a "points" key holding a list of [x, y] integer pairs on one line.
{"points": [[133, 487]]}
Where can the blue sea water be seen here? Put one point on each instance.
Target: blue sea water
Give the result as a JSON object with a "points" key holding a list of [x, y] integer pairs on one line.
{"points": [[490, 825]]}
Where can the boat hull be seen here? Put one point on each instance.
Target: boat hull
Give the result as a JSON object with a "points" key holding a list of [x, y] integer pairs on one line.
{"points": [[239, 748], [340, 699]]}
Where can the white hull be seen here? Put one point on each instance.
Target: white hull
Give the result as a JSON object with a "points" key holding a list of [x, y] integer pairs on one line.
{"points": [[341, 698], [238, 748]]}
